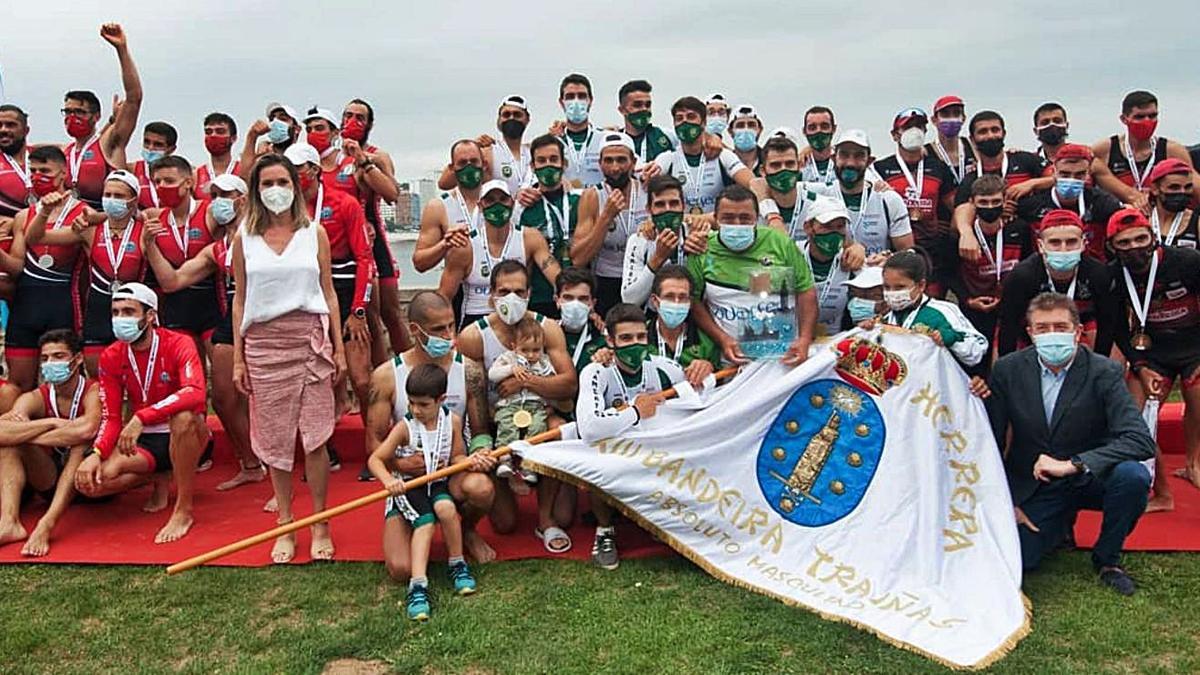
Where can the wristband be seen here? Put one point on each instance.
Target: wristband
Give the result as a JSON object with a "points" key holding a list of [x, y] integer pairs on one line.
{"points": [[96, 451], [767, 208], [479, 441]]}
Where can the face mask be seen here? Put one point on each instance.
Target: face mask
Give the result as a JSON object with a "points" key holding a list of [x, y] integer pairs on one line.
{"points": [[912, 138], [354, 130], [435, 345], [1174, 202], [991, 147], [42, 184], [306, 181], [574, 315], [79, 126], [152, 156], [989, 214], [1136, 259], [632, 356], [745, 140], [1068, 188], [688, 132], [819, 141], [512, 128], [170, 197], [849, 176], [639, 120], [828, 244], [218, 145], [277, 198], [670, 220], [576, 110], [223, 210], [1141, 130], [280, 131], [497, 215], [860, 309], [470, 176], [673, 313], [1052, 134], [1063, 261], [949, 128], [1055, 349], [320, 141], [717, 124], [511, 308], [783, 181], [618, 181], [127, 328], [56, 372], [898, 300], [114, 207], [736, 237], [549, 176]]}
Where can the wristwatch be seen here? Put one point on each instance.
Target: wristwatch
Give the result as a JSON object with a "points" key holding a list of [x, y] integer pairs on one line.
{"points": [[1078, 464], [360, 313]]}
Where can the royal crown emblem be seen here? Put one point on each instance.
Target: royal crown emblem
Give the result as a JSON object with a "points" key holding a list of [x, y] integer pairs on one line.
{"points": [[868, 366]]}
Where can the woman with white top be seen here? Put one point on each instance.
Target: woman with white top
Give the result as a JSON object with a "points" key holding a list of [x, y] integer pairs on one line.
{"points": [[288, 350]]}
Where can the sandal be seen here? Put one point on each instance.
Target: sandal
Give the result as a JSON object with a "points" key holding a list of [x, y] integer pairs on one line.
{"points": [[554, 534]]}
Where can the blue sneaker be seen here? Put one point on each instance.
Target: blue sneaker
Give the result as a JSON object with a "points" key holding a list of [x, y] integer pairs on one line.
{"points": [[464, 583], [418, 603]]}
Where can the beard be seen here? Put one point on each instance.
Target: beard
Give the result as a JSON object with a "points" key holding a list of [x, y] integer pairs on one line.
{"points": [[12, 145]]}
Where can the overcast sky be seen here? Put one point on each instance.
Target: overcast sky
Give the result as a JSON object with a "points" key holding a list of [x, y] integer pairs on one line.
{"points": [[436, 71]]}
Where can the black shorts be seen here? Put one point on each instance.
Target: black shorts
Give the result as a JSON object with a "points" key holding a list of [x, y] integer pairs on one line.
{"points": [[416, 506], [223, 333], [156, 448], [385, 265], [191, 310], [38, 307], [344, 288], [608, 293], [97, 320], [1174, 355]]}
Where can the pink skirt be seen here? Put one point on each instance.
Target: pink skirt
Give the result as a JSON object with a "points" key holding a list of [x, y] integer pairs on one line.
{"points": [[290, 363]]}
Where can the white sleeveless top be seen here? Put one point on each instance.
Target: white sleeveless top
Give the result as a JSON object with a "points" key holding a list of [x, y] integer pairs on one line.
{"points": [[279, 284], [456, 387], [477, 288], [456, 211], [515, 171], [434, 445], [492, 349], [610, 262]]}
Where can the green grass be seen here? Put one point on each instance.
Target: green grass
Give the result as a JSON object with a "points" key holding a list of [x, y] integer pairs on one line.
{"points": [[649, 616]]}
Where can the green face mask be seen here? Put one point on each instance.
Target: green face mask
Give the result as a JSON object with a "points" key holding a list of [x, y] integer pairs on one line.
{"points": [[783, 181], [819, 141], [549, 176], [671, 220], [849, 176], [632, 356], [639, 120], [828, 244], [688, 131], [497, 215], [470, 176]]}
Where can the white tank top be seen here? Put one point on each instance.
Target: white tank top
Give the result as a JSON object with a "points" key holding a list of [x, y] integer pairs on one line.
{"points": [[610, 262], [456, 387], [512, 170], [434, 444], [457, 214], [279, 284], [492, 349], [477, 289]]}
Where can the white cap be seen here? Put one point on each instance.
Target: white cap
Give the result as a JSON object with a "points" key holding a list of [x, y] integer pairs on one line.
{"points": [[617, 139], [746, 111], [825, 209], [515, 101], [136, 291], [300, 154], [717, 97], [323, 114], [228, 182], [276, 105], [867, 277], [855, 136], [786, 132], [495, 184], [123, 176]]}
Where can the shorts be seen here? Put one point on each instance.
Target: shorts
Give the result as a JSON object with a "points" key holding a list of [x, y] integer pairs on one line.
{"points": [[37, 308], [1175, 356], [608, 293], [156, 448], [97, 321], [223, 333], [385, 264], [507, 432], [344, 288], [192, 310], [416, 506]]}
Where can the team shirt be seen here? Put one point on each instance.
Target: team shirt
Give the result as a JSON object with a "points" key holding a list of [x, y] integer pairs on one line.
{"points": [[148, 194], [1015, 167], [206, 172], [1094, 206], [832, 293], [603, 388], [964, 166], [999, 254], [1181, 229], [1174, 311], [456, 387], [477, 287], [116, 256], [967, 344], [1089, 288], [703, 179], [512, 169], [691, 345], [47, 263], [16, 186], [609, 262], [349, 241], [651, 143], [875, 217], [556, 216], [923, 188], [1135, 174], [87, 169], [582, 152]]}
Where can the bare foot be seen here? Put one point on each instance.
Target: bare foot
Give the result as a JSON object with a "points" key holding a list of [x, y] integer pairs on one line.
{"points": [[38, 544], [11, 532], [284, 549], [272, 505], [518, 485], [477, 548], [1160, 503], [176, 527], [159, 498], [1189, 473], [322, 543], [256, 475]]}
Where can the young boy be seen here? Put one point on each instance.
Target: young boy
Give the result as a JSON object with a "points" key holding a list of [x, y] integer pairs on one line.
{"points": [[523, 413], [431, 432]]}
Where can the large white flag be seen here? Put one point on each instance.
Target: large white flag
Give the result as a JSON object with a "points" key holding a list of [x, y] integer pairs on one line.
{"points": [[864, 485]]}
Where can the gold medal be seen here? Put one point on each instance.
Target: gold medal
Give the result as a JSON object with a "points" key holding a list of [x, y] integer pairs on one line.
{"points": [[914, 213], [696, 211], [1141, 341], [522, 419], [576, 183]]}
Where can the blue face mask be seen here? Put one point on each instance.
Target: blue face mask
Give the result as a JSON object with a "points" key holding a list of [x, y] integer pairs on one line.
{"points": [[673, 313], [222, 210], [576, 110], [114, 207], [736, 237], [56, 372], [860, 309], [127, 328], [1063, 261], [716, 125], [1055, 349], [436, 346], [152, 156], [745, 139], [279, 131], [1068, 188]]}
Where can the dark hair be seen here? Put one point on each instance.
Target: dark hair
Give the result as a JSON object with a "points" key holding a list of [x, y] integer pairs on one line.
{"points": [[546, 140], [221, 118], [87, 97], [910, 263], [817, 110], [690, 103], [736, 193], [1049, 300], [623, 312], [47, 153], [427, 379], [370, 111], [1049, 106], [162, 129], [575, 78], [670, 272], [528, 327], [1137, 99], [984, 116], [779, 144], [455, 144], [573, 276], [631, 87], [8, 107], [508, 267], [425, 302], [987, 184], [661, 183], [64, 336], [171, 162]]}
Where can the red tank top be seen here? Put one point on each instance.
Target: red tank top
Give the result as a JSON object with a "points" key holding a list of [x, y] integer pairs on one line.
{"points": [[342, 178], [87, 170], [147, 197], [14, 186], [204, 176], [50, 404], [126, 249], [180, 242], [64, 257]]}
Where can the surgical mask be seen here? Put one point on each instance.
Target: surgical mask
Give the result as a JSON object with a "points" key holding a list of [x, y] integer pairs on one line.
{"points": [[632, 356], [618, 181], [152, 156], [828, 244], [512, 128], [949, 128], [1068, 188], [819, 141], [736, 237], [469, 176], [574, 314], [849, 176], [1063, 261], [639, 120], [688, 132], [435, 345], [991, 147], [511, 308], [56, 372], [989, 214], [783, 181], [548, 176], [280, 131], [576, 110], [673, 313], [1052, 134], [1175, 202], [114, 207], [1055, 349], [717, 124], [670, 220], [497, 214], [277, 198], [127, 328], [898, 300], [860, 309], [223, 210], [912, 138], [745, 140]]}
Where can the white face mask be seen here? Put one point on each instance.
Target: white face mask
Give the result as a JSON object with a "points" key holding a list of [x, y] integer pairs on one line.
{"points": [[574, 314], [898, 300], [912, 139], [511, 308], [277, 198]]}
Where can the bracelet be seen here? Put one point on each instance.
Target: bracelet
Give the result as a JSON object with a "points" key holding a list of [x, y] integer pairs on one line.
{"points": [[479, 441]]}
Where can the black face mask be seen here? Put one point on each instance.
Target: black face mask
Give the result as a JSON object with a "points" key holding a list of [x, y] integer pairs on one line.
{"points": [[989, 214], [991, 147], [1136, 259], [618, 181], [1052, 134], [1176, 202], [512, 128]]}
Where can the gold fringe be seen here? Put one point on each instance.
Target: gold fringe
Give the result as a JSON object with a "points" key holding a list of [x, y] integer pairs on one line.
{"points": [[991, 658]]}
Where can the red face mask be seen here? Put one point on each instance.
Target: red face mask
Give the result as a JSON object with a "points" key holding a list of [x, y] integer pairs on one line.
{"points": [[1141, 130], [169, 197], [319, 140], [217, 145], [79, 126], [306, 182], [352, 129], [43, 184]]}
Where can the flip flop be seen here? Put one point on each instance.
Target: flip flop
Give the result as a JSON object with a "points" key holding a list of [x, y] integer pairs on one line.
{"points": [[552, 534]]}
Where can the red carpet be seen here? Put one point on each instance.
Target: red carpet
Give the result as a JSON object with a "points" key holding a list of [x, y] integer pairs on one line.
{"points": [[120, 533]]}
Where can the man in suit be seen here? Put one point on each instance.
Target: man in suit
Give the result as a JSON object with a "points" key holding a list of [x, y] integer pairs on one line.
{"points": [[1077, 440]]}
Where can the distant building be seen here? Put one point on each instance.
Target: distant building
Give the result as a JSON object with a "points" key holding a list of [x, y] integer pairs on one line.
{"points": [[427, 190], [403, 209], [388, 213]]}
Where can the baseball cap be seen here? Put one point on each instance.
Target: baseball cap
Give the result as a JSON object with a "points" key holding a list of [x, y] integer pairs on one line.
{"points": [[867, 277], [856, 136], [946, 102], [1060, 218], [516, 102], [1126, 219], [1165, 168], [1073, 151], [316, 113], [495, 184], [716, 97], [785, 132], [746, 111], [617, 139], [123, 176], [276, 105], [826, 209], [136, 291], [228, 182], [908, 115], [300, 154]]}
